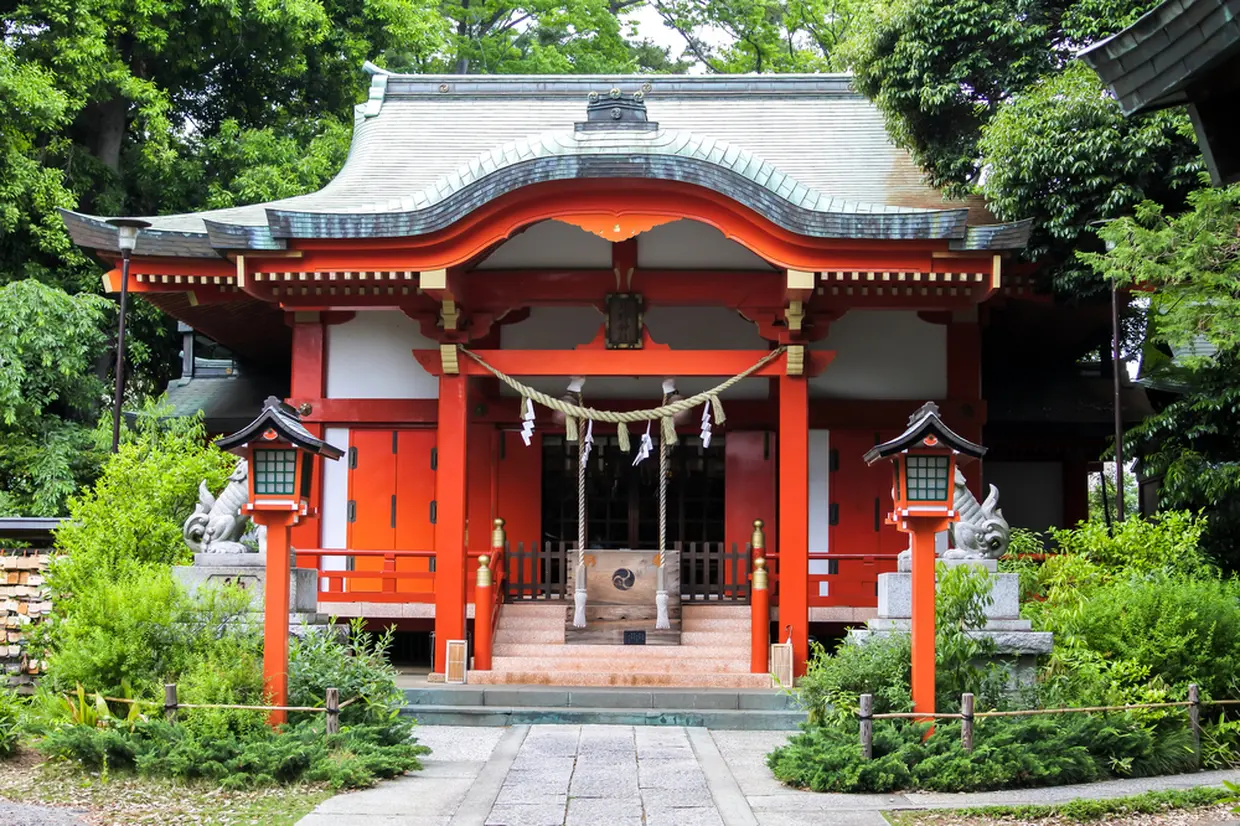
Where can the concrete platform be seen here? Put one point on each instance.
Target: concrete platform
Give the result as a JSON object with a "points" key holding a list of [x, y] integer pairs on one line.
{"points": [[719, 709]]}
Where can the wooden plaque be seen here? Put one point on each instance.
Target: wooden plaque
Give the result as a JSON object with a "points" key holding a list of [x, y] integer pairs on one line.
{"points": [[454, 672], [781, 664]]}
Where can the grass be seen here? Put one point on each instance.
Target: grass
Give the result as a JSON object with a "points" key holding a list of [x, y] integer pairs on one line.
{"points": [[130, 799], [1075, 811]]}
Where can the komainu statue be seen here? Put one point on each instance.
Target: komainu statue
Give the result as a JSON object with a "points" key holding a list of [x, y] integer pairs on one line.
{"points": [[982, 532], [216, 526]]}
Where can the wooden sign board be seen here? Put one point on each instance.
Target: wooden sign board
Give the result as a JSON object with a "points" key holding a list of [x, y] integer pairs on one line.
{"points": [[781, 664], [455, 670], [622, 577]]}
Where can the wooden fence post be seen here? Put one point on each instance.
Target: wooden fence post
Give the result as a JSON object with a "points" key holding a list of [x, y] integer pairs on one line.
{"points": [[966, 721], [1194, 719], [867, 726], [170, 702], [333, 710]]}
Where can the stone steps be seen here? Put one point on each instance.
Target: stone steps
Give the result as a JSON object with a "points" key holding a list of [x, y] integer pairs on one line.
{"points": [[635, 652], [669, 662], [621, 678], [484, 705]]}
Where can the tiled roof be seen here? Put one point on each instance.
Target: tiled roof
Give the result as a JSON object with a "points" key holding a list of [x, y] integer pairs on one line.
{"points": [[803, 149], [1151, 63]]}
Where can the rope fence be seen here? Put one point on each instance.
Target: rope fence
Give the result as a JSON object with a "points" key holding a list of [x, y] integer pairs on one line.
{"points": [[967, 716], [331, 706]]}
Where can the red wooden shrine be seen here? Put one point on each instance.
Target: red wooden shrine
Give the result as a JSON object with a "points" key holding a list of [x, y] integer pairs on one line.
{"points": [[777, 214]]}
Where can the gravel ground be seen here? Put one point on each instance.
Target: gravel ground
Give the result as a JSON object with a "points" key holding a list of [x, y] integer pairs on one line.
{"points": [[15, 814], [1207, 816]]}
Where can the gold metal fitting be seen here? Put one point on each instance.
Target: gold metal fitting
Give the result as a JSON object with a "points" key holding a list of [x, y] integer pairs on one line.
{"points": [[758, 540], [484, 571], [759, 574], [498, 538]]}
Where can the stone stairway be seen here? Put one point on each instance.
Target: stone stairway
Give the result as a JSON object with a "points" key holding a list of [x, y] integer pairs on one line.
{"points": [[512, 705], [529, 649]]}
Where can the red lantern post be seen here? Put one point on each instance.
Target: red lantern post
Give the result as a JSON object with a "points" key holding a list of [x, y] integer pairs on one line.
{"points": [[280, 455], [924, 459]]}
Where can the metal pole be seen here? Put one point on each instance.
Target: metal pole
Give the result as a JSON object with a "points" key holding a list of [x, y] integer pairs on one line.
{"points": [[1116, 366], [120, 353]]}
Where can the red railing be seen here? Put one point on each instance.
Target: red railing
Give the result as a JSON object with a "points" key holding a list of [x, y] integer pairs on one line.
{"points": [[849, 580], [373, 576]]}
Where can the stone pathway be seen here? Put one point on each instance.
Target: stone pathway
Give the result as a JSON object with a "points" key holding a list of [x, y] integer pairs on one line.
{"points": [[558, 775]]}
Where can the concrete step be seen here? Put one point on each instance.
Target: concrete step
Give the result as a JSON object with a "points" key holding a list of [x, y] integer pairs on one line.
{"points": [[515, 696], [707, 623], [675, 677], [610, 663], [553, 636], [764, 720]]}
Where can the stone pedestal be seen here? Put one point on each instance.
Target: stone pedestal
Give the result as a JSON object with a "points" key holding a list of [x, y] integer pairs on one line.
{"points": [[1016, 643], [249, 572]]}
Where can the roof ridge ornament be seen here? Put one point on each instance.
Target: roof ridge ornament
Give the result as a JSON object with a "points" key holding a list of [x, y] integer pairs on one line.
{"points": [[616, 109]]}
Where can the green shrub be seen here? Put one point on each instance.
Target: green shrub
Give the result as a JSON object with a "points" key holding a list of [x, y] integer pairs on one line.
{"points": [[882, 666], [322, 658], [1008, 753], [354, 758], [11, 714]]}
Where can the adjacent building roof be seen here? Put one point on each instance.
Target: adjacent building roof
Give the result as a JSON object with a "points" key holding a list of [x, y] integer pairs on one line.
{"points": [[284, 420], [806, 151], [922, 425], [1182, 52]]}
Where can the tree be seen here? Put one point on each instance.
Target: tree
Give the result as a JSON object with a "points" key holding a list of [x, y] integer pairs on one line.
{"points": [[760, 35], [987, 98], [49, 342], [1191, 263]]}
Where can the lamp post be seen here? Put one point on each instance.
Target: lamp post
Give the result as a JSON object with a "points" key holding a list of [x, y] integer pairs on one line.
{"points": [[127, 240], [279, 453], [924, 459]]}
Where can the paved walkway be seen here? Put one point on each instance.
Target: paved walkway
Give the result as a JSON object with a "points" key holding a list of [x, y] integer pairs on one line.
{"points": [[642, 776]]}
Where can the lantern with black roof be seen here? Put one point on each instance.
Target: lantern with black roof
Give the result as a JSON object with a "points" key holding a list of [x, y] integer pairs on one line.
{"points": [[280, 453], [924, 459]]}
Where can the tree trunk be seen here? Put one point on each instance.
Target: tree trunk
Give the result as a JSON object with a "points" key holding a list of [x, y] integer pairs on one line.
{"points": [[111, 118]]}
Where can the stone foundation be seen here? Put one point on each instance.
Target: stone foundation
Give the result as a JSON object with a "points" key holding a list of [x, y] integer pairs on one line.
{"points": [[249, 572], [1017, 645]]}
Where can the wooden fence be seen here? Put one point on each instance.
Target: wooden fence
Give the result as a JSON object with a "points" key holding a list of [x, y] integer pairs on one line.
{"points": [[966, 716], [709, 572], [331, 706]]}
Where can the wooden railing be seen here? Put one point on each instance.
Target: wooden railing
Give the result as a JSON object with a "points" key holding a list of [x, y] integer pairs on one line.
{"points": [[373, 576], [851, 579]]}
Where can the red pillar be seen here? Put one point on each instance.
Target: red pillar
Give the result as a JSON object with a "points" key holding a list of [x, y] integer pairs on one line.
{"points": [[450, 491], [922, 536], [275, 611], [794, 516], [309, 381]]}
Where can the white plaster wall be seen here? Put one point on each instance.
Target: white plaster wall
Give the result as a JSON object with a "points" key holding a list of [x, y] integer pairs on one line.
{"points": [[551, 244], [687, 244], [819, 490], [883, 354], [1030, 493], [370, 357], [682, 328], [334, 505]]}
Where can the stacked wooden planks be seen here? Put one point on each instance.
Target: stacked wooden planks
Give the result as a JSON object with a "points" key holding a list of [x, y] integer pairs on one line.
{"points": [[24, 601]]}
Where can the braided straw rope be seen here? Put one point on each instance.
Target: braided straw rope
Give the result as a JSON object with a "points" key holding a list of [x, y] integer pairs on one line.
{"points": [[629, 416]]}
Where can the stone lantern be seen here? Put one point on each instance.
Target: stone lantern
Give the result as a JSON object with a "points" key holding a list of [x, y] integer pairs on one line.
{"points": [[924, 459], [280, 453]]}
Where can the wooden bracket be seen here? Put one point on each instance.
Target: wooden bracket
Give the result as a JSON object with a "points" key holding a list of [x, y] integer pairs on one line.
{"points": [[796, 360], [449, 356]]}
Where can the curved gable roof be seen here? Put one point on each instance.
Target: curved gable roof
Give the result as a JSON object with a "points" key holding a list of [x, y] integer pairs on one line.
{"points": [[804, 150]]}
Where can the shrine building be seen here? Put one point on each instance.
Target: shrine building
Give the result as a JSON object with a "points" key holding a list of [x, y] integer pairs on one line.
{"points": [[494, 237]]}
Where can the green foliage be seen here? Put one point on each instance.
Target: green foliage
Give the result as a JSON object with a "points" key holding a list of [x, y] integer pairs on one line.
{"points": [[986, 97], [1008, 753], [48, 344], [354, 758], [1084, 809], [833, 683], [133, 515], [320, 659], [11, 715]]}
